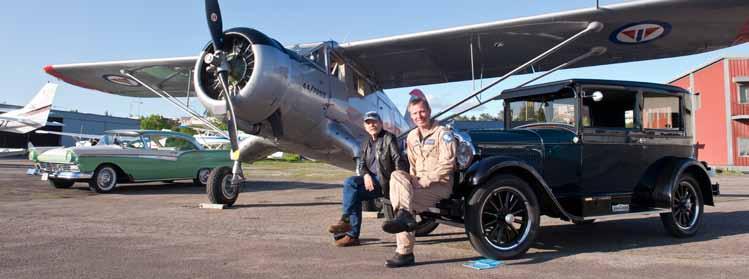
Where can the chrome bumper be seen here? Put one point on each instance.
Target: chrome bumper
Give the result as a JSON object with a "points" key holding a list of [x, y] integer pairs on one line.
{"points": [[714, 185], [65, 175]]}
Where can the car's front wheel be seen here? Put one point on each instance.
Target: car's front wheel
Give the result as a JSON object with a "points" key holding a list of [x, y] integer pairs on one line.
{"points": [[686, 208], [61, 184], [502, 218], [220, 189], [104, 179]]}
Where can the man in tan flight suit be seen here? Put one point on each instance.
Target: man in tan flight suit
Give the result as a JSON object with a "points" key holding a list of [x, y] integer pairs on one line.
{"points": [[431, 151]]}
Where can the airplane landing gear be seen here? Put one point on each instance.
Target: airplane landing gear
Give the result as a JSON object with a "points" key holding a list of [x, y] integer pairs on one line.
{"points": [[224, 184]]}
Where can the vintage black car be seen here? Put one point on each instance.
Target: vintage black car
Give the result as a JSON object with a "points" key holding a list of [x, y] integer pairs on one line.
{"points": [[578, 150]]}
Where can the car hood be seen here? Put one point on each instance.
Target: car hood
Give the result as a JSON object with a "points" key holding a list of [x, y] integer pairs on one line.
{"points": [[69, 154]]}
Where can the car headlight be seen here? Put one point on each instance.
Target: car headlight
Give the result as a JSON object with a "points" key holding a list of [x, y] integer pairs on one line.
{"points": [[465, 152], [71, 157]]}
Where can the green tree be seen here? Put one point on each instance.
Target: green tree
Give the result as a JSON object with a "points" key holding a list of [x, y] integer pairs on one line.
{"points": [[157, 122], [486, 117], [220, 123]]}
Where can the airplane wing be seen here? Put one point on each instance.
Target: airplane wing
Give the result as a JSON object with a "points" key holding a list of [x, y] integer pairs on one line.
{"points": [[169, 74], [633, 31], [74, 135]]}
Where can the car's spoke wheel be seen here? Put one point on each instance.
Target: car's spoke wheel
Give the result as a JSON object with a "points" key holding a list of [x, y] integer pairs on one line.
{"points": [[686, 208], [502, 218], [104, 179], [219, 187], [202, 177], [61, 184]]}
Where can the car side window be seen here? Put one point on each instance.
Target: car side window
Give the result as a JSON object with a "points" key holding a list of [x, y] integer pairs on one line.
{"points": [[179, 144], [661, 112], [615, 110]]}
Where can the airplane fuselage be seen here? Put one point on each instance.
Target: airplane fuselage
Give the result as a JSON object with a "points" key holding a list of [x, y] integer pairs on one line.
{"points": [[309, 102]]}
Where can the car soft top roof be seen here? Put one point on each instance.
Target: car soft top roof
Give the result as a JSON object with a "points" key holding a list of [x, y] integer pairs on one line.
{"points": [[551, 87]]}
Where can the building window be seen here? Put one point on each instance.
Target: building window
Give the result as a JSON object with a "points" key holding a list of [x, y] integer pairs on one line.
{"points": [[743, 93], [744, 147], [661, 112]]}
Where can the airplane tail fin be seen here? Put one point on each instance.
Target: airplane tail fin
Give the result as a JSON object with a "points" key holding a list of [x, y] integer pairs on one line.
{"points": [[38, 109]]}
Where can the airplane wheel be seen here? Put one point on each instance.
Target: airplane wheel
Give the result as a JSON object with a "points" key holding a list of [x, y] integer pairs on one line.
{"points": [[220, 189], [61, 184], [202, 178], [502, 218], [104, 179]]}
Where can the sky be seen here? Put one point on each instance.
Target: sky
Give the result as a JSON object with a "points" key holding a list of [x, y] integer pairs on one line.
{"points": [[36, 33]]}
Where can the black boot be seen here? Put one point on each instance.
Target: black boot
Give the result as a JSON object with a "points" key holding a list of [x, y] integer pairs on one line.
{"points": [[403, 222], [400, 260]]}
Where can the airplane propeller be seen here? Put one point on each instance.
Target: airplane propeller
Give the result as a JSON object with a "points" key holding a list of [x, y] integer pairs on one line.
{"points": [[219, 59], [213, 11]]}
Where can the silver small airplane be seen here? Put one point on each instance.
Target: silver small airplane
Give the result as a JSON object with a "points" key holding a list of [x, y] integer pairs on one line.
{"points": [[32, 116], [309, 99]]}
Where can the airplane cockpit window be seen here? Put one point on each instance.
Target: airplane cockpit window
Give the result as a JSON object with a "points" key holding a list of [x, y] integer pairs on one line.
{"points": [[362, 86]]}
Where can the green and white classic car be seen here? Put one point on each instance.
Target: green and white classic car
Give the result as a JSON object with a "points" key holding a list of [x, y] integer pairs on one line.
{"points": [[127, 156]]}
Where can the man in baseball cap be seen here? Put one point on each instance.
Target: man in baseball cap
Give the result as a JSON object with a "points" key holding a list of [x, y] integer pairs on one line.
{"points": [[380, 156]]}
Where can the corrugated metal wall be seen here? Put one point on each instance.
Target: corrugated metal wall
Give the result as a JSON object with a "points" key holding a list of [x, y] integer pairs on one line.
{"points": [[738, 68], [710, 118]]}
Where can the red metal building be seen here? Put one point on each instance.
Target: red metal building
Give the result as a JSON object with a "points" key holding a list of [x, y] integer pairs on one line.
{"points": [[721, 104]]}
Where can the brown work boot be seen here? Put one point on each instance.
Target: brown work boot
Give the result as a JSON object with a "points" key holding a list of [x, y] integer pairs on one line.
{"points": [[341, 227], [347, 241], [400, 260]]}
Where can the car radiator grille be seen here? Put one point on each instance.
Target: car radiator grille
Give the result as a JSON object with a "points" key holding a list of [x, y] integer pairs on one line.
{"points": [[54, 167]]}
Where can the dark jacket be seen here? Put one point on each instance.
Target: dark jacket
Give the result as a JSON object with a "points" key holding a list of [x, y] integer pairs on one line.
{"points": [[390, 159]]}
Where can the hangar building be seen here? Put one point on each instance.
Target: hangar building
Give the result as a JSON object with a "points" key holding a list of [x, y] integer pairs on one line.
{"points": [[721, 104], [74, 122]]}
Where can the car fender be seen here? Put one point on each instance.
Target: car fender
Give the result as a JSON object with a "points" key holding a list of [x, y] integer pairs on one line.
{"points": [[480, 172], [674, 168]]}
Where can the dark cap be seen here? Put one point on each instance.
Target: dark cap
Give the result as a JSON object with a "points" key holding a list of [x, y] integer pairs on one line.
{"points": [[372, 115]]}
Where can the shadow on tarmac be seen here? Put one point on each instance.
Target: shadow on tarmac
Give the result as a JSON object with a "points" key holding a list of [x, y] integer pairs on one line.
{"points": [[559, 241], [617, 235], [180, 188], [260, 205]]}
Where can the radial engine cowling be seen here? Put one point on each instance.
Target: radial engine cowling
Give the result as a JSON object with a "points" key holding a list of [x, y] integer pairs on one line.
{"points": [[258, 75]]}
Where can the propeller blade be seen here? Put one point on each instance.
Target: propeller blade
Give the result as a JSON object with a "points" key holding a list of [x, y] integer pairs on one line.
{"points": [[213, 14]]}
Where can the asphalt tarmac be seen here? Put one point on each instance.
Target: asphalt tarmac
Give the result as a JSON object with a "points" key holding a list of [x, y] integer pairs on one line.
{"points": [[277, 230]]}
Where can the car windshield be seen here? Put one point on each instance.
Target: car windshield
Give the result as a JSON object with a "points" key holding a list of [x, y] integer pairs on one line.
{"points": [[557, 108], [133, 142]]}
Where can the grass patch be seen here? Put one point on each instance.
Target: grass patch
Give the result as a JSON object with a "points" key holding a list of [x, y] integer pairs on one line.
{"points": [[303, 170], [728, 172]]}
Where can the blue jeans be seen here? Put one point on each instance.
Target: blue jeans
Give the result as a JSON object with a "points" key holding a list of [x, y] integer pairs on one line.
{"points": [[354, 193]]}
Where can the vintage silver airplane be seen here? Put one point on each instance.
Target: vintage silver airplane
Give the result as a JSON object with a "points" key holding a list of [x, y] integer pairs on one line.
{"points": [[33, 115], [310, 98]]}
